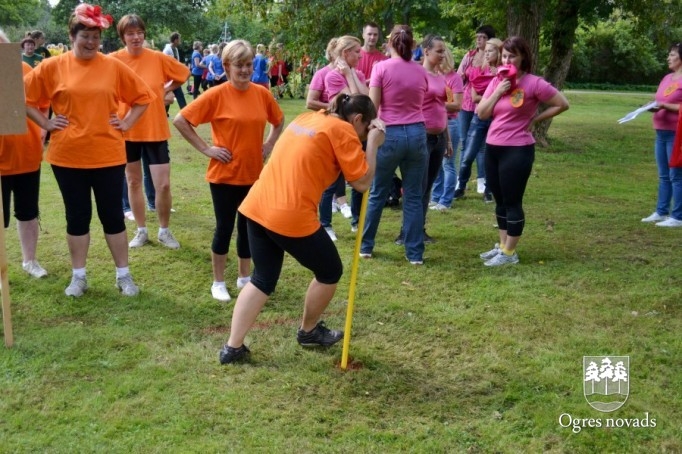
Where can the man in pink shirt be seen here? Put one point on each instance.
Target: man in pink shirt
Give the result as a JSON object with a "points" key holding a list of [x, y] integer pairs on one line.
{"points": [[370, 55]]}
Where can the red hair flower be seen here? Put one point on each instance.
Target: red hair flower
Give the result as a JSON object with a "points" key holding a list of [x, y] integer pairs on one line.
{"points": [[92, 17]]}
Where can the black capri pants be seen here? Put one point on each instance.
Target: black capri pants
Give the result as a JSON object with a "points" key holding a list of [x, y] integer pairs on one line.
{"points": [[226, 200], [25, 187], [76, 186], [315, 252], [507, 169]]}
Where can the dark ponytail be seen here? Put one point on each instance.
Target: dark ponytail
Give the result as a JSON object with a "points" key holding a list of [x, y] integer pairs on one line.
{"points": [[402, 41], [345, 105]]}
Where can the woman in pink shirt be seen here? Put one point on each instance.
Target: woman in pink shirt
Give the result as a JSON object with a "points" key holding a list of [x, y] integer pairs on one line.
{"points": [[668, 97], [397, 87], [512, 103]]}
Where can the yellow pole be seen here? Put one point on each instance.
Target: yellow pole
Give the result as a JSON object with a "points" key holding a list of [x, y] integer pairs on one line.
{"points": [[353, 281], [6, 311]]}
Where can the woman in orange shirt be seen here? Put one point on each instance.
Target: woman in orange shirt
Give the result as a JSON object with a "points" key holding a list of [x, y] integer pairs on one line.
{"points": [[87, 149], [281, 212], [149, 137], [20, 157], [238, 112]]}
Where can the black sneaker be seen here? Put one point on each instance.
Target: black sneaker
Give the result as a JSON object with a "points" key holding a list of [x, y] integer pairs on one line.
{"points": [[428, 239], [399, 240], [319, 336], [230, 354], [488, 197], [459, 193]]}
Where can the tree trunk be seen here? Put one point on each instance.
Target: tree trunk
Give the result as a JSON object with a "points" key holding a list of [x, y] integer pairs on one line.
{"points": [[523, 19], [562, 40]]}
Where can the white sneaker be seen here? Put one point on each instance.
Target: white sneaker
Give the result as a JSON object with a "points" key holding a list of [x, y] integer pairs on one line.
{"points": [[480, 185], [432, 204], [670, 222], [491, 253], [129, 215], [654, 217], [126, 285], [34, 269], [168, 240], [141, 238], [331, 233], [503, 259], [353, 228], [242, 281], [335, 206], [365, 255], [345, 211], [439, 207], [77, 287], [219, 293]]}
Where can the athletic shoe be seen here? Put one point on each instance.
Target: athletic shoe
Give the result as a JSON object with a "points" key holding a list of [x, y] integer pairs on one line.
{"points": [[345, 211], [459, 193], [491, 253], [231, 354], [318, 336], [242, 281], [670, 222], [399, 240], [34, 269], [439, 207], [168, 240], [480, 185], [365, 255], [77, 287], [335, 207], [151, 209], [432, 204], [503, 259], [654, 217], [331, 233], [129, 215], [488, 197], [126, 285], [428, 239], [415, 262], [219, 292], [141, 238], [353, 228]]}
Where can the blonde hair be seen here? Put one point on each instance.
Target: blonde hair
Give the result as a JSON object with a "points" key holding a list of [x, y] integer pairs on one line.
{"points": [[236, 51], [498, 46], [260, 48], [448, 63], [330, 51], [345, 43]]}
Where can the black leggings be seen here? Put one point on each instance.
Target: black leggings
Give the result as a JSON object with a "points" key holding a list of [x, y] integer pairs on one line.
{"points": [[25, 187], [226, 200], [76, 186], [436, 146], [315, 252], [507, 170]]}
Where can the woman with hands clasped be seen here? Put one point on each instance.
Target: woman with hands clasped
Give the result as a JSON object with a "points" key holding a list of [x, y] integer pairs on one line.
{"points": [[512, 102], [87, 149], [668, 99], [344, 78], [238, 112]]}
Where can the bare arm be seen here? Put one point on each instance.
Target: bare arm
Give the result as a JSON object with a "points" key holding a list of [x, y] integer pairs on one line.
{"points": [[557, 104], [313, 102], [375, 138], [130, 119], [189, 133], [455, 105], [375, 96], [486, 106], [273, 135], [57, 122]]}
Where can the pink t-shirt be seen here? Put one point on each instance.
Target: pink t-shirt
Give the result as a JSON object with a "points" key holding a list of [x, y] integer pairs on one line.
{"points": [[435, 116], [368, 60], [403, 86], [669, 91], [317, 83], [453, 85], [514, 111], [335, 82]]}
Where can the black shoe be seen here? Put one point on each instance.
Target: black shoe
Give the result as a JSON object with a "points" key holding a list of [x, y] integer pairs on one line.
{"points": [[488, 197], [230, 354], [428, 239], [459, 193], [399, 240], [319, 336]]}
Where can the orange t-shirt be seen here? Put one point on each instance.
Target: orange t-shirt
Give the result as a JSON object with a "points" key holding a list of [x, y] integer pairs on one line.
{"points": [[156, 69], [238, 121], [87, 92], [21, 153], [307, 158]]}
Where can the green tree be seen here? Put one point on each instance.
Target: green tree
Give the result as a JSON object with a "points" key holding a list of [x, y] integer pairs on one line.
{"points": [[19, 12]]}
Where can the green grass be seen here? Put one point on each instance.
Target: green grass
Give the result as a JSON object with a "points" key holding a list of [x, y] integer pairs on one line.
{"points": [[451, 356]]}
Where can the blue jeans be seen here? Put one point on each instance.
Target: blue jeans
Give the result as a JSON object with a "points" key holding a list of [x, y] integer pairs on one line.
{"points": [[669, 178], [475, 149], [443, 190], [404, 147], [465, 118], [149, 189]]}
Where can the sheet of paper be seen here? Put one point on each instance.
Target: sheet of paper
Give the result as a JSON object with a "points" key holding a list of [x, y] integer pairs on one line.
{"points": [[634, 113]]}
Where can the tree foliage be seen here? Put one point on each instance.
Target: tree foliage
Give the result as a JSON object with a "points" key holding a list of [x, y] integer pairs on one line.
{"points": [[19, 12]]}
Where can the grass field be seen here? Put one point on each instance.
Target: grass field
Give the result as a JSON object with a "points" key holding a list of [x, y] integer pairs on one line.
{"points": [[449, 357]]}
